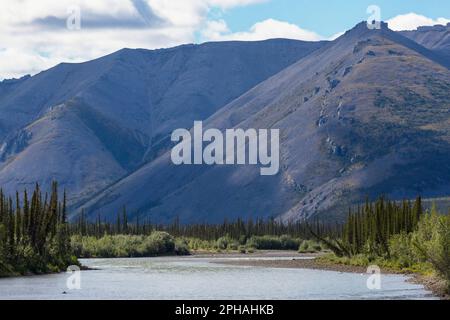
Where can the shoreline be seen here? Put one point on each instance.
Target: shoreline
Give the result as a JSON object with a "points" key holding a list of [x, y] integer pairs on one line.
{"points": [[293, 260], [298, 261], [310, 261]]}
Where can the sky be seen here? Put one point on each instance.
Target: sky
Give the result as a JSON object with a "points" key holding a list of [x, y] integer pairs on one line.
{"points": [[36, 35]]}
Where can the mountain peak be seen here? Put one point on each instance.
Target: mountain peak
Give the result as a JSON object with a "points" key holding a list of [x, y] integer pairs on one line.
{"points": [[361, 115], [15, 80], [437, 27], [364, 30], [365, 26]]}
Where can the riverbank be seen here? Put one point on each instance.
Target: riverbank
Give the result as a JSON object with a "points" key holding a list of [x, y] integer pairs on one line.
{"points": [[197, 278], [319, 261], [297, 261], [433, 284]]}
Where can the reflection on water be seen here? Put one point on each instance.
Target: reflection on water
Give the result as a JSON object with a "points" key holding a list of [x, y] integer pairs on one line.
{"points": [[198, 278]]}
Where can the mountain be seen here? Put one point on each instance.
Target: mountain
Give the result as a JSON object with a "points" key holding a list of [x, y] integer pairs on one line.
{"points": [[88, 125], [436, 38], [364, 115], [9, 85]]}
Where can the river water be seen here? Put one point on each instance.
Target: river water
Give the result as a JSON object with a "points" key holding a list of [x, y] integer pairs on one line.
{"points": [[196, 278]]}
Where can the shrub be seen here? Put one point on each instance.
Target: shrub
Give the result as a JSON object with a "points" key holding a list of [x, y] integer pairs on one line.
{"points": [[309, 246], [104, 247], [198, 244], [273, 243], [182, 247], [317, 247], [164, 242], [222, 243], [234, 245], [432, 242], [287, 243], [304, 247], [401, 249], [158, 243]]}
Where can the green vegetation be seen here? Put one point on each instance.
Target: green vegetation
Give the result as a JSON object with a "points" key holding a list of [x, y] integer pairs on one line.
{"points": [[243, 245], [284, 242], [431, 243], [250, 245], [310, 246], [370, 229], [124, 239], [34, 235], [399, 237], [161, 243], [238, 230], [36, 238], [121, 246]]}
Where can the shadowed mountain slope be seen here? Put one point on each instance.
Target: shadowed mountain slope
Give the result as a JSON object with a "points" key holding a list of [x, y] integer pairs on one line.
{"points": [[436, 38], [88, 125], [364, 115]]}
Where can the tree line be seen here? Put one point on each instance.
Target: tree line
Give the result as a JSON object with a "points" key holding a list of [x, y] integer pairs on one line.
{"points": [[397, 235], [35, 236], [370, 227], [34, 233], [236, 230]]}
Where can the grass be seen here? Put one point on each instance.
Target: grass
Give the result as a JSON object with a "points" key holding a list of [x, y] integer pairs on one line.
{"points": [[423, 272], [391, 266]]}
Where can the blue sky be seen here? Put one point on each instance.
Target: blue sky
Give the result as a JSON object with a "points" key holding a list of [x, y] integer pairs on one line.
{"points": [[37, 35], [331, 16]]}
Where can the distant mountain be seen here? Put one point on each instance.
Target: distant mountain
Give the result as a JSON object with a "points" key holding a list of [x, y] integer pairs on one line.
{"points": [[364, 115], [436, 38], [88, 125], [9, 85]]}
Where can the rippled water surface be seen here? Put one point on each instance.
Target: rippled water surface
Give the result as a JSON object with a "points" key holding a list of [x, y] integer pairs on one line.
{"points": [[197, 278]]}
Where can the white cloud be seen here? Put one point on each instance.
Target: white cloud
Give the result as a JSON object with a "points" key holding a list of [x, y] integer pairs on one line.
{"points": [[267, 29], [335, 36], [34, 37], [411, 21], [225, 4]]}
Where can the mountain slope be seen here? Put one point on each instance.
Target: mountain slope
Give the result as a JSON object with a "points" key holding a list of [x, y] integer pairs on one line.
{"points": [[89, 124], [436, 38], [364, 115]]}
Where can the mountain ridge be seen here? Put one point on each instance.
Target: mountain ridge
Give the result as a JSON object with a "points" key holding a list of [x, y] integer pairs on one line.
{"points": [[436, 38], [352, 114], [127, 101], [294, 194]]}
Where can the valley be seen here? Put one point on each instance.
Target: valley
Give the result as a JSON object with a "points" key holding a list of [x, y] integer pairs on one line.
{"points": [[359, 116]]}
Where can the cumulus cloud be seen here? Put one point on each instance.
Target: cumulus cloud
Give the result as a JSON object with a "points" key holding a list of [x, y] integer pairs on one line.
{"points": [[411, 21], [336, 35], [225, 4], [267, 29], [146, 12], [34, 34]]}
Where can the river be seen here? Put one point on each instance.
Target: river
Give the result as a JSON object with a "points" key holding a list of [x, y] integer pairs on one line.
{"points": [[197, 278]]}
